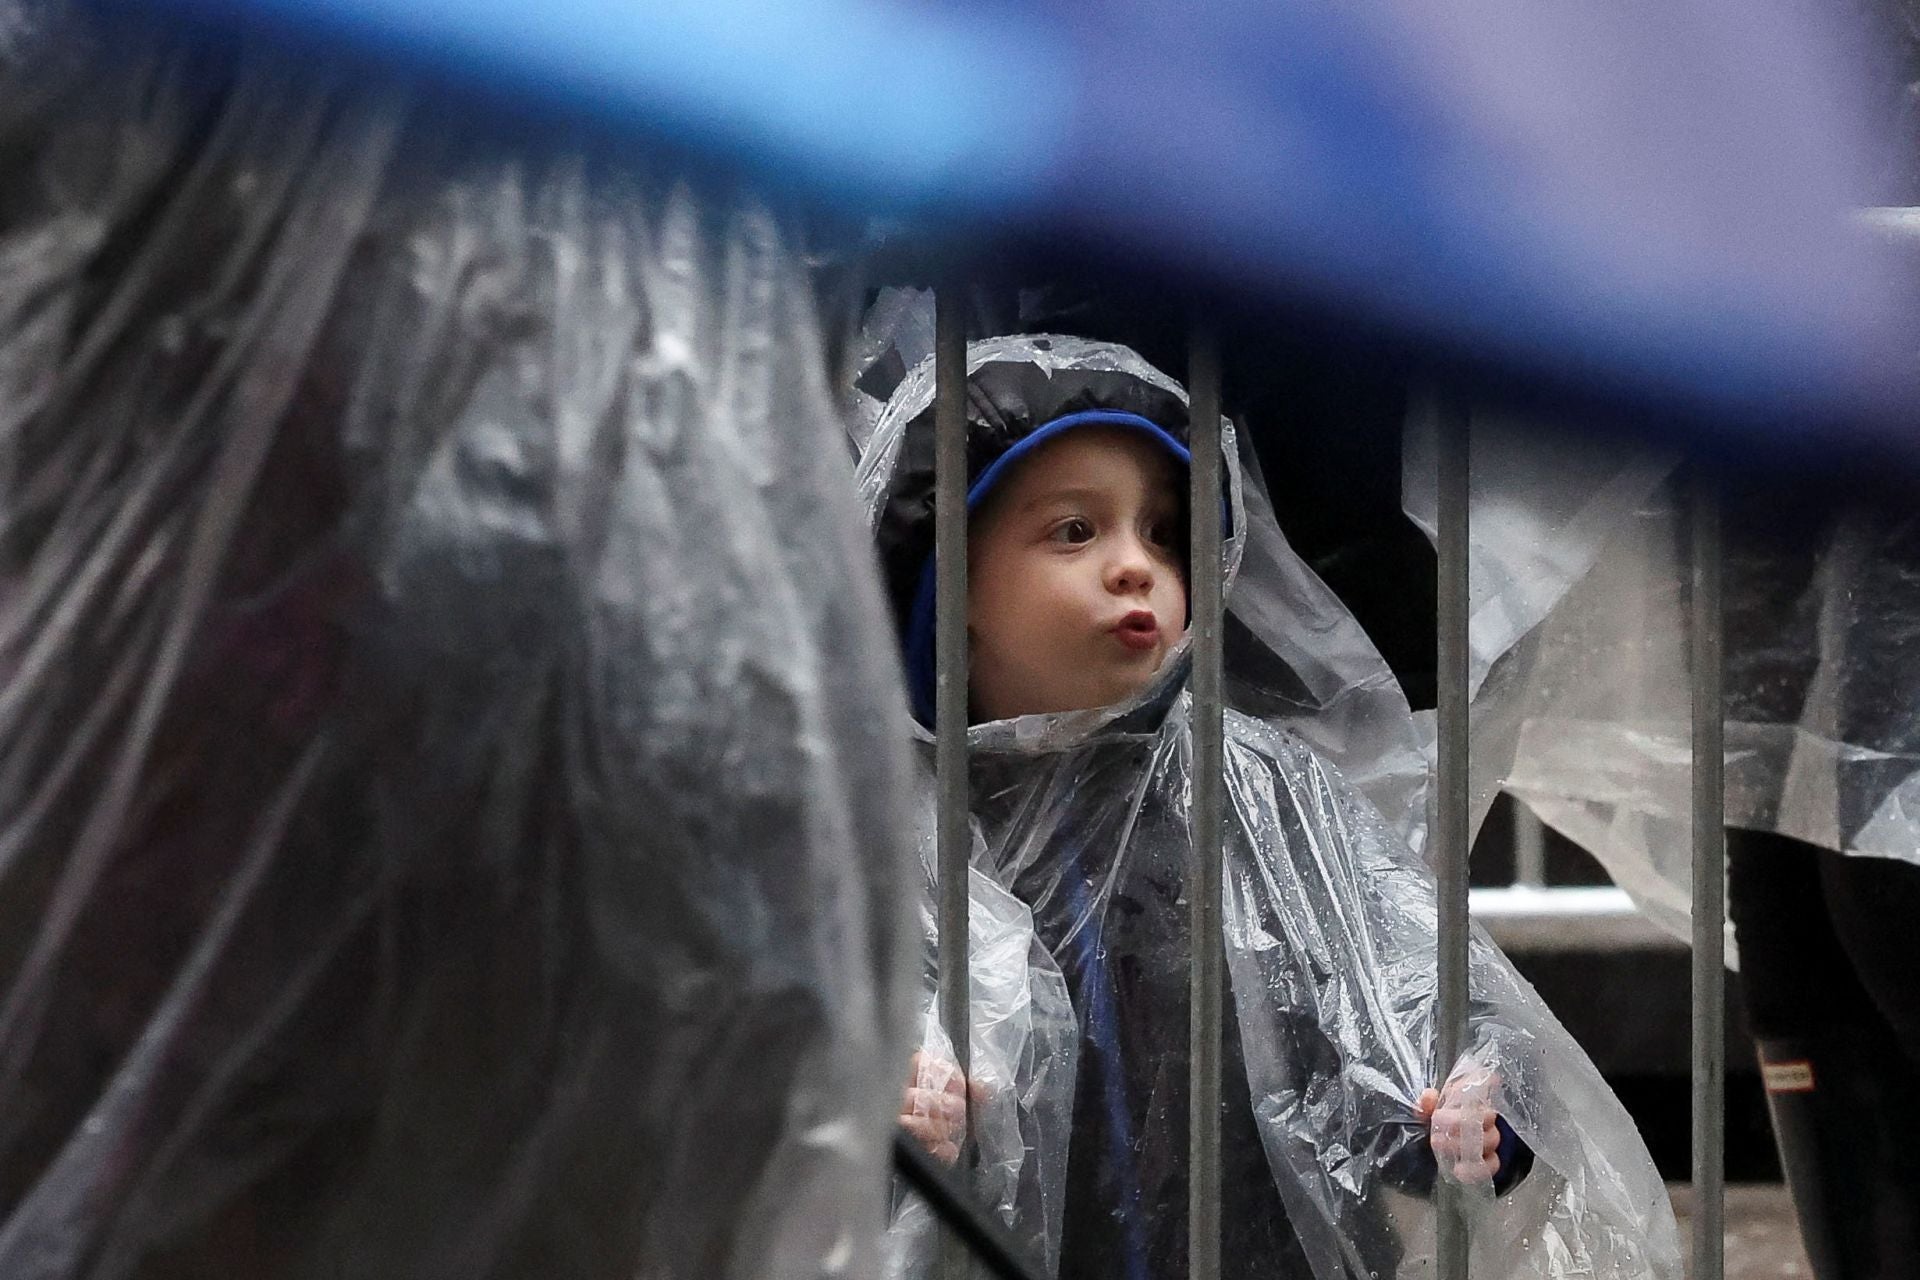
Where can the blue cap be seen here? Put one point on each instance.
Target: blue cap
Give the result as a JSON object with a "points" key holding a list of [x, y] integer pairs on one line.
{"points": [[919, 638]]}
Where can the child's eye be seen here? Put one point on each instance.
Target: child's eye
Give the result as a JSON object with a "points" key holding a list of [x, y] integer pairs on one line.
{"points": [[1162, 533], [1074, 531]]}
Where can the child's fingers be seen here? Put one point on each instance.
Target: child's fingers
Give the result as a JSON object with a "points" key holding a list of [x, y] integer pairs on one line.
{"points": [[1453, 1129], [1472, 1171], [929, 1072], [1464, 1124], [932, 1138], [1429, 1099], [930, 1131], [924, 1131], [1456, 1119], [1470, 1070], [947, 1108], [1459, 1093]]}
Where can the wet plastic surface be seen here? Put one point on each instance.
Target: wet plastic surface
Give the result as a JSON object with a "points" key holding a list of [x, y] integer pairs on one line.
{"points": [[1580, 643], [449, 814]]}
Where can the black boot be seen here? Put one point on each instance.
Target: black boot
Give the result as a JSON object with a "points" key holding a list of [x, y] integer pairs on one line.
{"points": [[1837, 1104]]}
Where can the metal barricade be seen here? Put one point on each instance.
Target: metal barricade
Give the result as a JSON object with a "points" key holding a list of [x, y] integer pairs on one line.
{"points": [[1709, 890], [1209, 946], [952, 847], [1451, 835]]}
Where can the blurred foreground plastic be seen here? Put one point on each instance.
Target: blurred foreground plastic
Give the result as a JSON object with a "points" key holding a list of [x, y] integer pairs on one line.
{"points": [[448, 808]]}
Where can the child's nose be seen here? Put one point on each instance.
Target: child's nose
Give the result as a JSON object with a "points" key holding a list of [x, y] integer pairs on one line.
{"points": [[1131, 570]]}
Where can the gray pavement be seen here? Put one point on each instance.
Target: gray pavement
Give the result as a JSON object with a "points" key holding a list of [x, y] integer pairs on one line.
{"points": [[1763, 1240]]}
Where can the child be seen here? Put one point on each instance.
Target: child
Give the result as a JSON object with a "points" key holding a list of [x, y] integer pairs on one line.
{"points": [[1081, 758]]}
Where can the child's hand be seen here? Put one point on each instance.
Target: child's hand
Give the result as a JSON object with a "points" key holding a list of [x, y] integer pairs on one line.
{"points": [[1463, 1125], [934, 1107]]}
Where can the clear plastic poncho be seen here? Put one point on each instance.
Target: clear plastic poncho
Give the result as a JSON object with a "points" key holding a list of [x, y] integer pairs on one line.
{"points": [[1024, 1045], [1579, 578], [1330, 920], [450, 792]]}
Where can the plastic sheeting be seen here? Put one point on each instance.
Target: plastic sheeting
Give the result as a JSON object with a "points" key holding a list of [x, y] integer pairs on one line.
{"points": [[1541, 513], [449, 804], [1330, 925], [1580, 572], [1020, 1078]]}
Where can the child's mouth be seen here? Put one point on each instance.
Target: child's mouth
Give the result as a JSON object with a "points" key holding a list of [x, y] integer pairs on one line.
{"points": [[1138, 630]]}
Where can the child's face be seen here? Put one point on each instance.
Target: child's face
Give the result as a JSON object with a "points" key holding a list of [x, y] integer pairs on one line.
{"points": [[1076, 579]]}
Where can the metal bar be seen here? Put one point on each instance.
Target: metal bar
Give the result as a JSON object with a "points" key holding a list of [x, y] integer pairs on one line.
{"points": [[951, 852], [1450, 836], [1208, 974], [1709, 889], [1529, 846]]}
